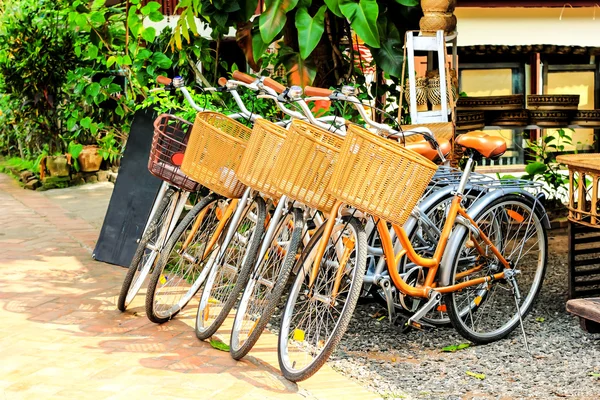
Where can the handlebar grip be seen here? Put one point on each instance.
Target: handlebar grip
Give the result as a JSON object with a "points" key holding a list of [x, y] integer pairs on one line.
{"points": [[276, 86], [311, 91], [242, 77], [222, 81], [163, 80]]}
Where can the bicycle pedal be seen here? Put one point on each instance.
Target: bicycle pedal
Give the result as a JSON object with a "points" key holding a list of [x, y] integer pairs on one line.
{"points": [[422, 326], [310, 224]]}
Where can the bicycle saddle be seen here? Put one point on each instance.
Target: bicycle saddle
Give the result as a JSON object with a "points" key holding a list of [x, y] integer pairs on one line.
{"points": [[486, 145], [424, 148]]}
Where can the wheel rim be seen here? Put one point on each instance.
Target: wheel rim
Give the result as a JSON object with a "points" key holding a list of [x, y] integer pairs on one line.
{"points": [[489, 310], [181, 278], [220, 286], [260, 286], [310, 319], [149, 256]]}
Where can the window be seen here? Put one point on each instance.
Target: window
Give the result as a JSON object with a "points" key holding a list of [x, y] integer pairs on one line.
{"points": [[497, 79], [573, 79]]}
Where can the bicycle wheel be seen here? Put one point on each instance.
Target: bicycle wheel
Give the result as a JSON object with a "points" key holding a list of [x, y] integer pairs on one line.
{"points": [[489, 312], [315, 318], [179, 271], [229, 275], [266, 284], [146, 252]]}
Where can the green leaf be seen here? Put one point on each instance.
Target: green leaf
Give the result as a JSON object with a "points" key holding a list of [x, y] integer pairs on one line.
{"points": [[258, 46], [92, 51], [97, 17], [161, 61], [149, 34], [151, 7], [455, 348], [595, 375], [111, 60], [219, 345], [85, 122], [363, 19], [475, 375], [540, 319], [408, 3], [97, 4], [390, 55], [93, 89], [272, 21], [155, 16], [144, 54], [310, 29], [536, 168], [74, 149], [191, 23], [334, 7], [247, 9]]}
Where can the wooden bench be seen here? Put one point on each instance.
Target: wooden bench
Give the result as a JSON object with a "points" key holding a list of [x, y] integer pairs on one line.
{"points": [[588, 311]]}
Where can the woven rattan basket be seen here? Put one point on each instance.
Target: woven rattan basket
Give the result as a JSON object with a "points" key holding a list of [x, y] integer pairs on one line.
{"points": [[168, 147], [258, 162], [214, 153], [305, 164], [379, 176]]}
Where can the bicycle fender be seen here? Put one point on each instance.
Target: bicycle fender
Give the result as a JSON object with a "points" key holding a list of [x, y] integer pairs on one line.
{"points": [[458, 231]]}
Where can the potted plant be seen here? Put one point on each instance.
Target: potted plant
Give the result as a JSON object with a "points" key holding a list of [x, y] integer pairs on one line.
{"points": [[89, 158]]}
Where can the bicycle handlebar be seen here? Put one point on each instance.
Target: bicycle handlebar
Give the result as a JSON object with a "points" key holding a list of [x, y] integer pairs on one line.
{"points": [[163, 80], [242, 77], [276, 86], [311, 91]]}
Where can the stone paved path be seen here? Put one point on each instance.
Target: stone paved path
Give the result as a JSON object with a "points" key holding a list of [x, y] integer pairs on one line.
{"points": [[61, 336]]}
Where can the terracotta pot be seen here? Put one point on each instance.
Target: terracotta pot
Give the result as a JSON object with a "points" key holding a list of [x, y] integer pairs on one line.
{"points": [[438, 5], [89, 159], [57, 165]]}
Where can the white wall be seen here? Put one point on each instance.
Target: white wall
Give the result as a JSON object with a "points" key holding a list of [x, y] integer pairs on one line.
{"points": [[522, 26]]}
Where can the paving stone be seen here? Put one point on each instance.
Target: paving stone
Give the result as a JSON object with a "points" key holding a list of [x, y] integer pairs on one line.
{"points": [[66, 340]]}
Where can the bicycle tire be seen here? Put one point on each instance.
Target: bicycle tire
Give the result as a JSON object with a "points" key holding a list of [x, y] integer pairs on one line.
{"points": [[272, 299], [327, 346], [228, 300], [460, 319], [154, 227], [179, 233]]}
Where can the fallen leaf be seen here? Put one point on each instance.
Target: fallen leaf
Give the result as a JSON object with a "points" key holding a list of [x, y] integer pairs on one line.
{"points": [[219, 345], [540, 319], [476, 375], [595, 374], [454, 348], [381, 318]]}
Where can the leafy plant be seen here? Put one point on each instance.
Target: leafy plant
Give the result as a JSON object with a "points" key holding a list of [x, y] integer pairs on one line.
{"points": [[109, 148], [543, 167], [312, 34], [74, 149]]}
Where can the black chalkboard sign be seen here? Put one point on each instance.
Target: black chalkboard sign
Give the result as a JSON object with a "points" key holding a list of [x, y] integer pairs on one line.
{"points": [[132, 197]]}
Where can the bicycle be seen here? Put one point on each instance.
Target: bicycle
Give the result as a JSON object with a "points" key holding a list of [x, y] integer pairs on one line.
{"points": [[327, 284]]}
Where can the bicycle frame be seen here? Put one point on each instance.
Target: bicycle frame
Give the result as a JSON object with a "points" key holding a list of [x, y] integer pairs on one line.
{"points": [[392, 258]]}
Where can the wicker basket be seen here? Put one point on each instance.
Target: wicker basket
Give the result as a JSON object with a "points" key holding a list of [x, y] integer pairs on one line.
{"points": [[584, 201], [433, 21], [168, 147], [305, 163], [259, 158], [421, 93], [380, 176], [214, 152], [438, 5]]}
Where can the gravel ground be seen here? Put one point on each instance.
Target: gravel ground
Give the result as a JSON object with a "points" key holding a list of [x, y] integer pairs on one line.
{"points": [[412, 366]]}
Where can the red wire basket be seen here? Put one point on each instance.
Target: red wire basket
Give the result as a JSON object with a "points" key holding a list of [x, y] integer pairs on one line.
{"points": [[171, 134]]}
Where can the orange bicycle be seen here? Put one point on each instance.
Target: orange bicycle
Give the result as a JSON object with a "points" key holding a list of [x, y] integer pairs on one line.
{"points": [[488, 264]]}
